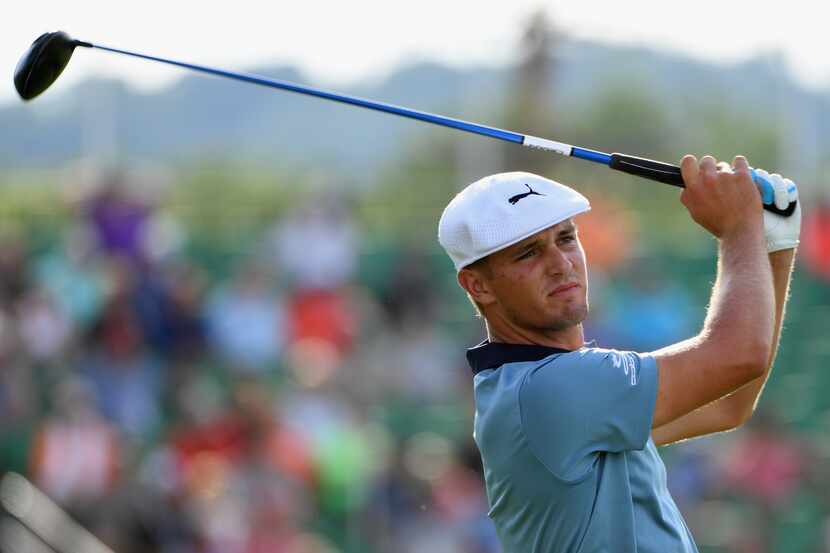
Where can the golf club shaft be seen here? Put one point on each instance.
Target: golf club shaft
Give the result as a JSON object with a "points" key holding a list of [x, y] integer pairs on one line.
{"points": [[646, 168], [492, 132]]}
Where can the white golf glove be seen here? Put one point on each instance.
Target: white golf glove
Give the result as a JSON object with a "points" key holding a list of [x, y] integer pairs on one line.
{"points": [[781, 233]]}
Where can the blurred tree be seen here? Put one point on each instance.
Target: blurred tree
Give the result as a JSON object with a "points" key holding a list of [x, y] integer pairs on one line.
{"points": [[725, 133], [413, 192], [530, 102], [624, 117]]}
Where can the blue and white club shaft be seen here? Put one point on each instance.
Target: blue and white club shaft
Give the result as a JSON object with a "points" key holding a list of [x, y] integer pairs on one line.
{"points": [[646, 168]]}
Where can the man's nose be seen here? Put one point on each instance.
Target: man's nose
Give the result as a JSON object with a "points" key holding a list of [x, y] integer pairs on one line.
{"points": [[557, 261]]}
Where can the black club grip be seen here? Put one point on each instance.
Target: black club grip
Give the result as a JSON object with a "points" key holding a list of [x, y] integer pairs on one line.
{"points": [[670, 174]]}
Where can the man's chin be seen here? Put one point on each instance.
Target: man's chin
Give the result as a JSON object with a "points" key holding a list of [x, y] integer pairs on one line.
{"points": [[571, 318]]}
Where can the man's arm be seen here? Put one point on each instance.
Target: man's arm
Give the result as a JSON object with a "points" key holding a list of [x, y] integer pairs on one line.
{"points": [[735, 344], [735, 409]]}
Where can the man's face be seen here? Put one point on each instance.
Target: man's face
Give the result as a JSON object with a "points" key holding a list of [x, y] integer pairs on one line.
{"points": [[539, 283]]}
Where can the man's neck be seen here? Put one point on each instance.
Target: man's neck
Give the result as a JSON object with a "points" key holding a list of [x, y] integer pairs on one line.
{"points": [[571, 338]]}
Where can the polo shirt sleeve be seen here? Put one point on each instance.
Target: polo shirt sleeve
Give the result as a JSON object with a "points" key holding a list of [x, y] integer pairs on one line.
{"points": [[587, 402]]}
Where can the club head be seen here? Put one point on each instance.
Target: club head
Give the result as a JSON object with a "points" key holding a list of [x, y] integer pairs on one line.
{"points": [[43, 63]]}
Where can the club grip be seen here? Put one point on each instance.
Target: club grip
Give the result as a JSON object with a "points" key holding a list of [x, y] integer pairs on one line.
{"points": [[670, 174], [647, 168]]}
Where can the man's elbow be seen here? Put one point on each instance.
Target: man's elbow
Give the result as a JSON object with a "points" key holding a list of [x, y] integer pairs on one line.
{"points": [[745, 358], [736, 418], [752, 359]]}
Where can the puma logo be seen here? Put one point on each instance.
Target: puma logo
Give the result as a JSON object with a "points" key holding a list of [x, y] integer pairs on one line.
{"points": [[515, 199]]}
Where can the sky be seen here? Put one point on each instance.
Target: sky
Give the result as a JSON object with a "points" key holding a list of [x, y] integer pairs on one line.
{"points": [[342, 42]]}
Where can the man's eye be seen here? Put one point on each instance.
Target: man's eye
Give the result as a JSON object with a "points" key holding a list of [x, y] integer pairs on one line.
{"points": [[527, 254], [568, 238]]}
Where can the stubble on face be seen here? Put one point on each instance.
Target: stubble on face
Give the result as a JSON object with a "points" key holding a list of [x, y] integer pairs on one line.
{"points": [[524, 285], [568, 315]]}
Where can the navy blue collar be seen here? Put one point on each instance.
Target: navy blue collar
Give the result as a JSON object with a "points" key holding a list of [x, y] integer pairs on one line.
{"points": [[490, 355]]}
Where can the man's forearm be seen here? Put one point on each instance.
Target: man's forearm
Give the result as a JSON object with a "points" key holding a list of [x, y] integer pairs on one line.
{"points": [[741, 403], [740, 318], [733, 410]]}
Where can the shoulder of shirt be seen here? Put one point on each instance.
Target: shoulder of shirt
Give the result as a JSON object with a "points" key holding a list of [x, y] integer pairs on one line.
{"points": [[592, 355], [488, 358]]}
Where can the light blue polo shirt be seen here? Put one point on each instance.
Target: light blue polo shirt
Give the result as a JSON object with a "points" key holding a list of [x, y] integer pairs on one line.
{"points": [[568, 459]]}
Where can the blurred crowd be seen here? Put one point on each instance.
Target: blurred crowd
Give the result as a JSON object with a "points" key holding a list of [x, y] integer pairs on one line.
{"points": [[280, 407], [281, 404]]}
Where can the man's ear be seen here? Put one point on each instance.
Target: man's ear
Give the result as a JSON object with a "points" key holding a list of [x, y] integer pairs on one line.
{"points": [[475, 282]]}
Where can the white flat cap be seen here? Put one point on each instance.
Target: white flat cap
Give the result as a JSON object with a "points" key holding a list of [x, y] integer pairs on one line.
{"points": [[500, 210]]}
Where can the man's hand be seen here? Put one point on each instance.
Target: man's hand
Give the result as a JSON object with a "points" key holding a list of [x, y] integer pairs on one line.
{"points": [[781, 233], [720, 198]]}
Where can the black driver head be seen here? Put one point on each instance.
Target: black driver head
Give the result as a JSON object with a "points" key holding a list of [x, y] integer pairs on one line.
{"points": [[42, 63]]}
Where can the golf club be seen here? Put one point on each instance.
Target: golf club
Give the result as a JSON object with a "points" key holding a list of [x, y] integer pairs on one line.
{"points": [[49, 54]]}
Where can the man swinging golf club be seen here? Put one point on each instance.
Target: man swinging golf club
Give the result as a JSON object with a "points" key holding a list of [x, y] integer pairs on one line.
{"points": [[568, 433]]}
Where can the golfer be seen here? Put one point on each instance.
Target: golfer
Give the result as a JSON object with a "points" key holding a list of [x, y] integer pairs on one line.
{"points": [[568, 432]]}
